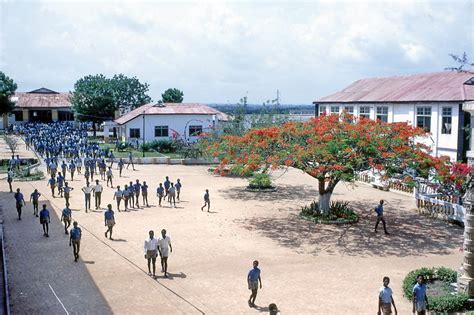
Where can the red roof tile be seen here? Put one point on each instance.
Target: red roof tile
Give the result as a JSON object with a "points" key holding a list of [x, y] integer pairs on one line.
{"points": [[41, 100], [439, 86], [169, 109]]}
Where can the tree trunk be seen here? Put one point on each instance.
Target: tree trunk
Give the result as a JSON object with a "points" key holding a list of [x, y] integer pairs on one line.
{"points": [[5, 121], [324, 202]]}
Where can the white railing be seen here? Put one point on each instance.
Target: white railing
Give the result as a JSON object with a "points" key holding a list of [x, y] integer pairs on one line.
{"points": [[432, 205]]}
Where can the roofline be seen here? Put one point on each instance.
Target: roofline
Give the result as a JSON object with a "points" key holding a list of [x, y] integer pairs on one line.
{"points": [[155, 114], [387, 102]]}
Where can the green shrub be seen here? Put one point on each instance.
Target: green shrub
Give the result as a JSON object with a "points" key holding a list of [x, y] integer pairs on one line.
{"points": [[447, 303], [261, 181], [240, 171], [146, 147]]}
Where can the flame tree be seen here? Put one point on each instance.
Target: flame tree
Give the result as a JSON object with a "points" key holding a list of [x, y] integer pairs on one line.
{"points": [[329, 148]]}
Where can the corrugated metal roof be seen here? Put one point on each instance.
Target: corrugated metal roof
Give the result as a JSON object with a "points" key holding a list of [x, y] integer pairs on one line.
{"points": [[169, 109], [438, 86], [41, 100]]}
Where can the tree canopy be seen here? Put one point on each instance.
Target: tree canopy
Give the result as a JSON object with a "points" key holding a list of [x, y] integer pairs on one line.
{"points": [[172, 96], [7, 90], [95, 97], [330, 148]]}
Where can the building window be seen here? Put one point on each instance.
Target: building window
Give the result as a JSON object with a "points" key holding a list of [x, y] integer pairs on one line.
{"points": [[364, 112], [349, 109], [423, 118], [134, 132], [382, 113], [195, 130], [65, 116], [322, 110], [334, 109], [446, 120], [161, 131], [18, 116]]}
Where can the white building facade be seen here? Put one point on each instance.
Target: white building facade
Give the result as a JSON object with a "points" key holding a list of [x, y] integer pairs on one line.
{"points": [[150, 122], [431, 101]]}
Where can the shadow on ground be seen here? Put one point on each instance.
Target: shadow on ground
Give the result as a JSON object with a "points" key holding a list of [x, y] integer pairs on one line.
{"points": [[411, 233]]}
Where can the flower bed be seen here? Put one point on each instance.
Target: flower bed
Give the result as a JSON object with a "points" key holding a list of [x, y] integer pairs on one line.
{"points": [[441, 296], [339, 213]]}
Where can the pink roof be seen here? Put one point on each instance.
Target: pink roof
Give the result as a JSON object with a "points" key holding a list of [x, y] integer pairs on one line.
{"points": [[169, 109], [42, 100], [439, 86]]}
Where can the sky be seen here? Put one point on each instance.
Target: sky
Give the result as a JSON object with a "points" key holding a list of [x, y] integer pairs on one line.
{"points": [[219, 51]]}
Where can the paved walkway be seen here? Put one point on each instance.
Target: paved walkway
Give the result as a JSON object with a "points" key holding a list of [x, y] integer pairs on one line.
{"points": [[306, 268]]}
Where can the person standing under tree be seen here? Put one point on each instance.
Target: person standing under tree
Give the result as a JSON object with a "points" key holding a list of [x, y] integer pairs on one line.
{"points": [[253, 278], [164, 248], [10, 175], [379, 210], [66, 217], [20, 202], [207, 201], [75, 240], [386, 299], [35, 198], [109, 220], [45, 220], [151, 252]]}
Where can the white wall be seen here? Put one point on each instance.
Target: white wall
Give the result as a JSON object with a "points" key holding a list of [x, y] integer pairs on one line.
{"points": [[176, 123]]}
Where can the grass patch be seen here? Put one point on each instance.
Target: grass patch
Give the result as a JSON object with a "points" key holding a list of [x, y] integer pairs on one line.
{"points": [[339, 213]]}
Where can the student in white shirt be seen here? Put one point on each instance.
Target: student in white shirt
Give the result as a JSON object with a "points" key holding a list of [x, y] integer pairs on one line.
{"points": [[151, 252], [87, 195], [97, 193], [118, 195], [164, 248], [386, 299]]}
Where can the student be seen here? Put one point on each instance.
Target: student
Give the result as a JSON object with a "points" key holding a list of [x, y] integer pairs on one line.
{"points": [[110, 175], [386, 299], [79, 165], [137, 187], [145, 194], [10, 175], [35, 198], [164, 248], [207, 201], [45, 220], [67, 193], [72, 169], [97, 193], [171, 195], [87, 190], [86, 173], [167, 185], [160, 191], [253, 278], [126, 196], [120, 166], [52, 184], [379, 210], [420, 300], [20, 202], [118, 195], [66, 217], [178, 188], [64, 168], [75, 240], [151, 252], [130, 160], [109, 220], [60, 183], [131, 198]]}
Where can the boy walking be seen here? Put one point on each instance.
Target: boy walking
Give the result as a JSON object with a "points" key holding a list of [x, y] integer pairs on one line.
{"points": [[379, 210], [97, 194], [67, 193], [20, 202], [75, 240], [164, 248], [420, 300], [118, 196], [87, 190], [160, 193], [145, 194], [66, 217], [207, 201], [178, 188], [253, 279], [386, 299], [109, 177], [109, 220], [151, 252], [45, 220], [35, 198]]}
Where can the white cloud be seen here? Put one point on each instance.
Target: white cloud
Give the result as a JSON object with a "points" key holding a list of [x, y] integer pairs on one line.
{"points": [[216, 51]]}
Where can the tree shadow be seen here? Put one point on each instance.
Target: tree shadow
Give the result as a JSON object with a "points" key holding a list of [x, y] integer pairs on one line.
{"points": [[284, 193], [411, 233]]}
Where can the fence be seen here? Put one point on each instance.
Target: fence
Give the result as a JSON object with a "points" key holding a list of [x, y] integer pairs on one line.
{"points": [[435, 206]]}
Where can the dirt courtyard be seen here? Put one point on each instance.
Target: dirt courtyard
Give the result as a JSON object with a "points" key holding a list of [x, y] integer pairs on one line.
{"points": [[306, 268]]}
